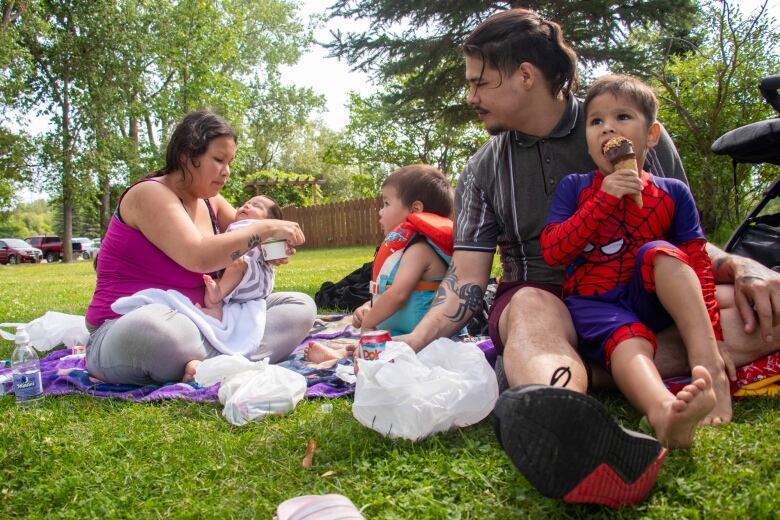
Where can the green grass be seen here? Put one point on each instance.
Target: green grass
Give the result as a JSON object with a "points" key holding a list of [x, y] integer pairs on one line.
{"points": [[81, 457]]}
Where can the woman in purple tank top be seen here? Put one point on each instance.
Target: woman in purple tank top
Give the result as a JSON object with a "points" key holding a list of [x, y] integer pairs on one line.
{"points": [[165, 234]]}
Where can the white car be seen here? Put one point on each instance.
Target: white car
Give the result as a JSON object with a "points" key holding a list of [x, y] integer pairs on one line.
{"points": [[88, 247]]}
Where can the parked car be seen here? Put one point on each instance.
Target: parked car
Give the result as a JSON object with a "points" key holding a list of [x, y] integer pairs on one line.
{"points": [[51, 245], [15, 251], [87, 247]]}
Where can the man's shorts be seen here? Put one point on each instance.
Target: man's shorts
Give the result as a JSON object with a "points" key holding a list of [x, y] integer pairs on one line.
{"points": [[504, 294]]}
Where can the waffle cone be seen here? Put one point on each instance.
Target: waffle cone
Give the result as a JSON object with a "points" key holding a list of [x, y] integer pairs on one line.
{"points": [[629, 163]]}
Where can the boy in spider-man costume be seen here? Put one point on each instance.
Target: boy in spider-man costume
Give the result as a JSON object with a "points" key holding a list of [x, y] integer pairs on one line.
{"points": [[632, 271]]}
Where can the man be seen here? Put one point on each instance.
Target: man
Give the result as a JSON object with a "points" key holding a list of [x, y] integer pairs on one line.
{"points": [[522, 78]]}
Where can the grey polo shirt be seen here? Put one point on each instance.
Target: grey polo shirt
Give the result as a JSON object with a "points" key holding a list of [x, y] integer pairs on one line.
{"points": [[504, 193]]}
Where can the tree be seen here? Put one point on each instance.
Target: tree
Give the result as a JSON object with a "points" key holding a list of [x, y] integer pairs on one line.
{"points": [[419, 40], [382, 136], [102, 70], [27, 219], [712, 89]]}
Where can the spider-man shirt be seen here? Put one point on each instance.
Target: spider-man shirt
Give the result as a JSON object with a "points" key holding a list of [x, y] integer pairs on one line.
{"points": [[600, 239]]}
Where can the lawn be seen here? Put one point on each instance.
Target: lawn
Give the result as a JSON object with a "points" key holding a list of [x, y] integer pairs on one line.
{"points": [[83, 457]]}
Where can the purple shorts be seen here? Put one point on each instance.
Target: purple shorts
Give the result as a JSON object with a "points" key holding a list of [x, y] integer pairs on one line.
{"points": [[504, 294], [633, 307]]}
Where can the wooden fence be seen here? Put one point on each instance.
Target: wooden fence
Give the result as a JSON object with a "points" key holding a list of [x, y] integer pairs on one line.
{"points": [[350, 223]]}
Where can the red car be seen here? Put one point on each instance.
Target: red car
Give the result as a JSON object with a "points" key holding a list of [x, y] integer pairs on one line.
{"points": [[15, 251]]}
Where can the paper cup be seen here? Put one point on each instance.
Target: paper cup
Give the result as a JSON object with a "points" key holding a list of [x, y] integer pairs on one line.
{"points": [[274, 249]]}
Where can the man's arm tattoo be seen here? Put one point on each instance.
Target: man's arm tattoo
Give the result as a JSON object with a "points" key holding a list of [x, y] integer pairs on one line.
{"points": [[469, 296]]}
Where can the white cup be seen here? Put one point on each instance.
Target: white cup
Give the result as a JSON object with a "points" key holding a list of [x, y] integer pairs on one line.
{"points": [[274, 249]]}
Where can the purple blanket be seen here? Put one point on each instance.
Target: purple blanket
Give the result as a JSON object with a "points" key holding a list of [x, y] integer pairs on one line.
{"points": [[63, 373]]}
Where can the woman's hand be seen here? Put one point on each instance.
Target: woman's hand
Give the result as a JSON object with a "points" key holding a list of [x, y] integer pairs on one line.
{"points": [[284, 230]]}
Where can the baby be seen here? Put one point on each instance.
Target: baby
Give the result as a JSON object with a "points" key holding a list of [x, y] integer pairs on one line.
{"points": [[250, 277]]}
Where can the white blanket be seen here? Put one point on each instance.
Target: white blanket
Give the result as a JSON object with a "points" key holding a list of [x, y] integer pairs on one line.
{"points": [[239, 332]]}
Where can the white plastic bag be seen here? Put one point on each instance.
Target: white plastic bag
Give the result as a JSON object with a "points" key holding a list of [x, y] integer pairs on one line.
{"points": [[251, 390], [52, 329], [448, 384]]}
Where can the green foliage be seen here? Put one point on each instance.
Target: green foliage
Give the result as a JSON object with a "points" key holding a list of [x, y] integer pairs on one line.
{"points": [[15, 167], [381, 137], [83, 457], [710, 90], [286, 190], [113, 77], [27, 219]]}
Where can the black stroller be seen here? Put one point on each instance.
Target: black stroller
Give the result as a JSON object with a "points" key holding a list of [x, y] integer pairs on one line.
{"points": [[758, 237]]}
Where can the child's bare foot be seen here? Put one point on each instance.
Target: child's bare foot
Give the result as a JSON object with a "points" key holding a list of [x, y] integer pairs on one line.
{"points": [[675, 420], [189, 370], [213, 294], [722, 412], [214, 312], [319, 353]]}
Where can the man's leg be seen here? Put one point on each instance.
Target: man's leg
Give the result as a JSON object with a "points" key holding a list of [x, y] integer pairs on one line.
{"points": [[563, 441], [671, 357], [538, 337]]}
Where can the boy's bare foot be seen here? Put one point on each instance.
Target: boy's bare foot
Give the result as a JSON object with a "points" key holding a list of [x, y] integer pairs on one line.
{"points": [[190, 369], [722, 413], [319, 353], [675, 420]]}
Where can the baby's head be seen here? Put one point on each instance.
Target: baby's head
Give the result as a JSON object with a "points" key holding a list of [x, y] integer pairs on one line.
{"points": [[413, 188], [620, 105], [259, 208]]}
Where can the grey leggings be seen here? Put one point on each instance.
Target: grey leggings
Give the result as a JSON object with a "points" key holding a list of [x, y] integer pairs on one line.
{"points": [[153, 343]]}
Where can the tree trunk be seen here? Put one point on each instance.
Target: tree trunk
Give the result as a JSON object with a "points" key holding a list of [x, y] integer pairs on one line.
{"points": [[67, 171], [150, 131], [104, 179]]}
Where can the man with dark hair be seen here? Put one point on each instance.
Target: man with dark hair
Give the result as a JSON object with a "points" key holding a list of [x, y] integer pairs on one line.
{"points": [[522, 78]]}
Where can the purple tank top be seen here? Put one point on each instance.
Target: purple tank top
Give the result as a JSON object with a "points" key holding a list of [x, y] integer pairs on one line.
{"points": [[128, 263]]}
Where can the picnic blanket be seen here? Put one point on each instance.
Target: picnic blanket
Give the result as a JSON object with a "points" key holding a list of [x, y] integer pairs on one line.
{"points": [[65, 373]]}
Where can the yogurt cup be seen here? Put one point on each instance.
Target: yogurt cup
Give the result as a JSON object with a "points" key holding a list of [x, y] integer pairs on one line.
{"points": [[274, 249]]}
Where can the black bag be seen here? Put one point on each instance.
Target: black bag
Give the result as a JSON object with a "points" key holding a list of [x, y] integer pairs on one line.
{"points": [[349, 293], [758, 237]]}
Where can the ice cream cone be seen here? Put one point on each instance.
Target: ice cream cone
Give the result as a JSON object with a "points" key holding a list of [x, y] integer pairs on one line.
{"points": [[620, 152]]}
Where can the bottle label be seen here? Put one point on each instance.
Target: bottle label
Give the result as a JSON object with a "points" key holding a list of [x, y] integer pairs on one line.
{"points": [[28, 385]]}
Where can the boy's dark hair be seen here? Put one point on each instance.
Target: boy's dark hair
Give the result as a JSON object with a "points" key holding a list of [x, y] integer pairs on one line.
{"points": [[191, 138], [508, 39], [634, 89], [424, 183]]}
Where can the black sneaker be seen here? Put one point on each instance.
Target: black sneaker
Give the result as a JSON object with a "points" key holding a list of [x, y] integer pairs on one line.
{"points": [[568, 446]]}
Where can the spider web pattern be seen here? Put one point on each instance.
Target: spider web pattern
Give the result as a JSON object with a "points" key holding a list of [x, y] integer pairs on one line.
{"points": [[603, 236]]}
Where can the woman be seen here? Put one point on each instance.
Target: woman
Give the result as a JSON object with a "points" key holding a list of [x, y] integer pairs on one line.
{"points": [[164, 234]]}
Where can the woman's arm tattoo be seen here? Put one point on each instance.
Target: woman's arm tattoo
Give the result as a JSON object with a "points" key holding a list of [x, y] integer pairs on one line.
{"points": [[253, 241], [469, 296]]}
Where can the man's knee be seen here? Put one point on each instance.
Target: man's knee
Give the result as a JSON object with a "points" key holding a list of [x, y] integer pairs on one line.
{"points": [[532, 298]]}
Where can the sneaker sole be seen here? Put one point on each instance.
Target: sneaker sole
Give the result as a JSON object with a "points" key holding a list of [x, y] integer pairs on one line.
{"points": [[568, 446]]}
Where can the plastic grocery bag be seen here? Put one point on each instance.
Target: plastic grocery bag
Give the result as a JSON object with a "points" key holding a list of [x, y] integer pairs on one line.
{"points": [[251, 390], [52, 329], [448, 384]]}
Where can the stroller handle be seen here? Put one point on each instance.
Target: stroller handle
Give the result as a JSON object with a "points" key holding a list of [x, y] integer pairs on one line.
{"points": [[769, 89]]}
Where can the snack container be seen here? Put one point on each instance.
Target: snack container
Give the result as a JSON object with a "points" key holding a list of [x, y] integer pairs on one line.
{"points": [[274, 249]]}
